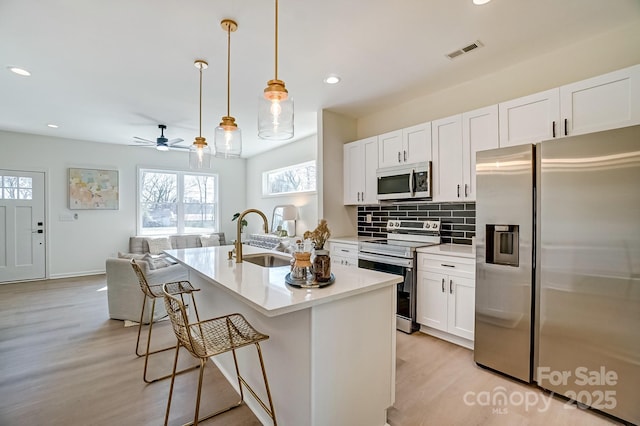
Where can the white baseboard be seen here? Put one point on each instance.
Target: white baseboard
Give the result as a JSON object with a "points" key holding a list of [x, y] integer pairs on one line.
{"points": [[457, 340], [75, 274]]}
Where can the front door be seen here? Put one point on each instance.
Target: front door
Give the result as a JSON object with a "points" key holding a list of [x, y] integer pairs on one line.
{"points": [[22, 231]]}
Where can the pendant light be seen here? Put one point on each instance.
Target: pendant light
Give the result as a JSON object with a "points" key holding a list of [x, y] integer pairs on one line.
{"points": [[199, 151], [275, 111], [228, 137]]}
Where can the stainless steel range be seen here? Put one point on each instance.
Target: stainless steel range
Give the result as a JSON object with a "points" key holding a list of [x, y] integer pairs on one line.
{"points": [[397, 255]]}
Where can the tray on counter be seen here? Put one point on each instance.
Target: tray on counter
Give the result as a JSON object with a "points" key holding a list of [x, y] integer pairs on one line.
{"points": [[304, 284]]}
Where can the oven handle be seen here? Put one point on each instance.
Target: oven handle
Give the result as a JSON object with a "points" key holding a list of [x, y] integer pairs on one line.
{"points": [[407, 263]]}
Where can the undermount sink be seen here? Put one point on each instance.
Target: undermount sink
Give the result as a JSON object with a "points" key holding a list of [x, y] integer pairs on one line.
{"points": [[267, 260]]}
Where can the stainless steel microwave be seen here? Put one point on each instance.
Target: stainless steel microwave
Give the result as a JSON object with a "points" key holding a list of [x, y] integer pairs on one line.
{"points": [[405, 182]]}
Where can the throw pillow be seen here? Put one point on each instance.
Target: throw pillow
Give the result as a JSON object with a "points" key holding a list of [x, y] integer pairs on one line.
{"points": [[157, 245], [209, 240], [156, 262]]}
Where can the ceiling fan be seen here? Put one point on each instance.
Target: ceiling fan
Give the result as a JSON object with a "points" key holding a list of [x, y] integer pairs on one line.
{"points": [[161, 143]]}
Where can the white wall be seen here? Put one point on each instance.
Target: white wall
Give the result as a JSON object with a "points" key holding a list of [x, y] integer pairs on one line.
{"points": [[591, 57], [81, 247], [287, 155], [336, 130]]}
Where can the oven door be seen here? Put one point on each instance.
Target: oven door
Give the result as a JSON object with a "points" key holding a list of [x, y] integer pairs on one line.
{"points": [[406, 290]]}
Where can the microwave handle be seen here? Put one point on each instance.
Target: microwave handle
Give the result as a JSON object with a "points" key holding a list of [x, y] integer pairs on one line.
{"points": [[411, 181]]}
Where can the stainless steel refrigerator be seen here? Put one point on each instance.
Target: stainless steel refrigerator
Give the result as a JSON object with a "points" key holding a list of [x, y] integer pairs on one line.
{"points": [[558, 267]]}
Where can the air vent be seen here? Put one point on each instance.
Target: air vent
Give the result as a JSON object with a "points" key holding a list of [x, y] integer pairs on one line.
{"points": [[465, 49]]}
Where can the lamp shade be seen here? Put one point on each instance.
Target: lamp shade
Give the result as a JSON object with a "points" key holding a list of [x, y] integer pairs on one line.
{"points": [[228, 142], [290, 213], [275, 113], [199, 155]]}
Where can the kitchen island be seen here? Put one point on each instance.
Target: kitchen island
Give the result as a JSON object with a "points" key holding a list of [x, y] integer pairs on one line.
{"points": [[330, 358]]}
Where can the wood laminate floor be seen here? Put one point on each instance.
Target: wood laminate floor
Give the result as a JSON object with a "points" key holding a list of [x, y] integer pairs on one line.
{"points": [[64, 362]]}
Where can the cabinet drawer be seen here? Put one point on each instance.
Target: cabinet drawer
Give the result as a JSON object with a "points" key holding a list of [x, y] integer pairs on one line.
{"points": [[452, 265], [344, 250]]}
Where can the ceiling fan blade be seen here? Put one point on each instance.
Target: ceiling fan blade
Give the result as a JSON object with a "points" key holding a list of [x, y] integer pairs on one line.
{"points": [[179, 148], [142, 145], [143, 140], [174, 141]]}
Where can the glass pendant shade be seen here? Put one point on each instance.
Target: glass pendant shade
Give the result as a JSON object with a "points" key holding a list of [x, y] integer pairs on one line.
{"points": [[228, 139], [275, 113], [199, 154], [199, 151], [275, 106]]}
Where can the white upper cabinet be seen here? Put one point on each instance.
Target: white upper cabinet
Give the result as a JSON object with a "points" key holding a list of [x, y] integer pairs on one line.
{"points": [[360, 165], [446, 136], [608, 101], [605, 102], [529, 119], [416, 140], [406, 146], [479, 132]]}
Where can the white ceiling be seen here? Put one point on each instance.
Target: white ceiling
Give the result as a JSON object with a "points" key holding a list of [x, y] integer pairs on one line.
{"points": [[107, 71]]}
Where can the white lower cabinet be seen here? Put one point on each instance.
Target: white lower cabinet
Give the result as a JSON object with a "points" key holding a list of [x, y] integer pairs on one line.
{"points": [[344, 254], [446, 296]]}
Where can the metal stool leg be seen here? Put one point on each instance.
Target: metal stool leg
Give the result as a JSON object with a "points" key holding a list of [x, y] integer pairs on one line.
{"points": [[148, 351]]}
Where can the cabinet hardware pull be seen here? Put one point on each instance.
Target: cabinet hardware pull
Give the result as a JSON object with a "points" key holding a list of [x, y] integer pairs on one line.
{"points": [[447, 266], [443, 285], [553, 129], [344, 250], [566, 132], [399, 157], [405, 155], [358, 195], [362, 195], [450, 286], [458, 191], [466, 190]]}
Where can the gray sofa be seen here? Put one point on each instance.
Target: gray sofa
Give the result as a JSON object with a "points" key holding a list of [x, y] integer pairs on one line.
{"points": [[124, 294]]}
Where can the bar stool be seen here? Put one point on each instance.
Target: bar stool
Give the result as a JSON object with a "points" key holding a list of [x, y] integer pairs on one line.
{"points": [[208, 338], [154, 292]]}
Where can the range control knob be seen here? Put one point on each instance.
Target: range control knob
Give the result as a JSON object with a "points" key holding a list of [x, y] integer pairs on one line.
{"points": [[427, 225]]}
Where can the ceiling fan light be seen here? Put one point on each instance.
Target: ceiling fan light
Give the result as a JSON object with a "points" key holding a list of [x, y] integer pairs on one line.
{"points": [[162, 148]]}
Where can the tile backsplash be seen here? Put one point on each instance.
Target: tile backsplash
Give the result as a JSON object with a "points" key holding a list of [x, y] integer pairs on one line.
{"points": [[457, 220]]}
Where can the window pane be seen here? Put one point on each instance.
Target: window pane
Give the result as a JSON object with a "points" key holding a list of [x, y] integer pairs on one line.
{"points": [[297, 178], [10, 182], [198, 188], [158, 202], [25, 194], [199, 217], [10, 194], [25, 182]]}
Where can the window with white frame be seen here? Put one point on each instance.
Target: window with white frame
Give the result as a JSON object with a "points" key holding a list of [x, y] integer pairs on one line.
{"points": [[288, 180], [16, 188], [175, 202]]}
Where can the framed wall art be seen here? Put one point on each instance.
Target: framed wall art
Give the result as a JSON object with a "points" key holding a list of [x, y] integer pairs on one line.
{"points": [[92, 189]]}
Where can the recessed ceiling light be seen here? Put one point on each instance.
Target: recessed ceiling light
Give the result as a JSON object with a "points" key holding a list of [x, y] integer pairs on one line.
{"points": [[19, 71], [480, 2], [332, 79], [53, 126]]}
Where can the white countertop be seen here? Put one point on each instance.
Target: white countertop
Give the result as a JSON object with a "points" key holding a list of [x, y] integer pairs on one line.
{"points": [[460, 250], [264, 289], [349, 239]]}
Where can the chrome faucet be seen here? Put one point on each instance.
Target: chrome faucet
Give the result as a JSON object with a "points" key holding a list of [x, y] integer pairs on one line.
{"points": [[239, 229]]}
